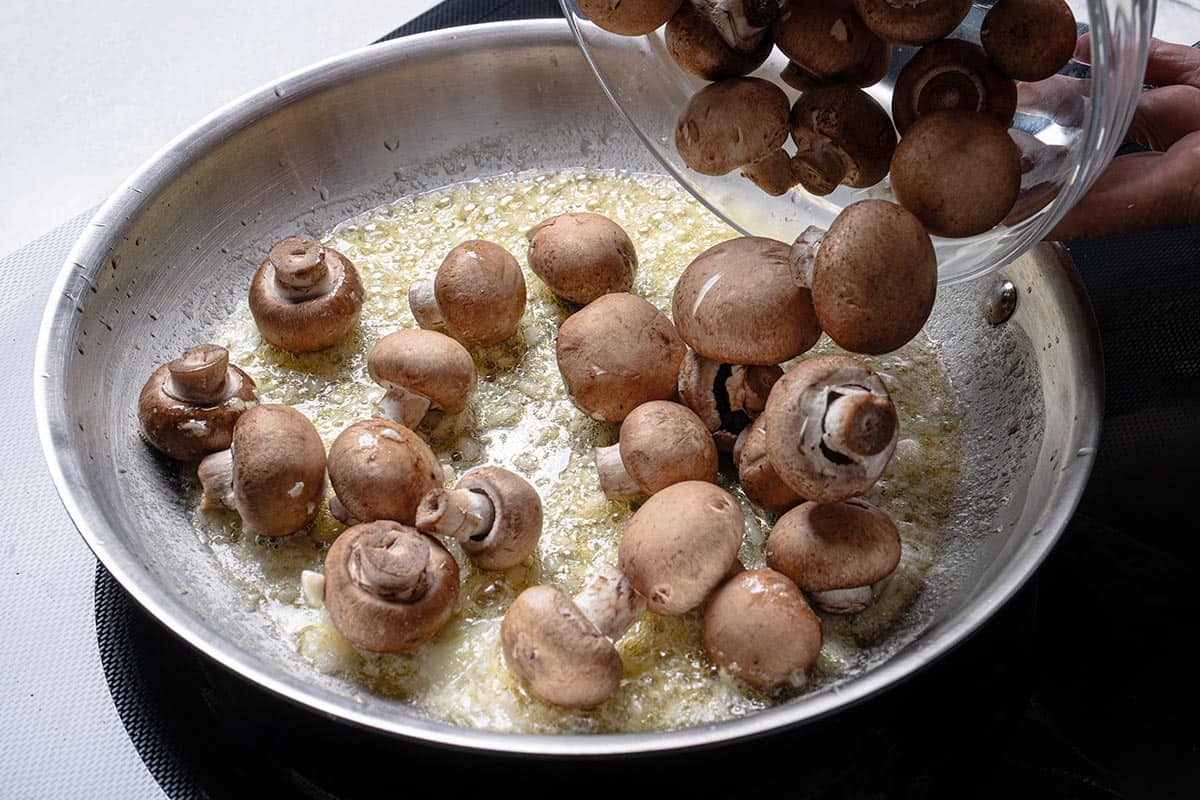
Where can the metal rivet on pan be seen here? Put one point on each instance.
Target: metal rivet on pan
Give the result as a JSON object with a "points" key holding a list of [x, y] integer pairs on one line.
{"points": [[1000, 303]]}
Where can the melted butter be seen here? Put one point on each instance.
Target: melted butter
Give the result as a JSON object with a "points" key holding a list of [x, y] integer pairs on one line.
{"points": [[520, 418]]}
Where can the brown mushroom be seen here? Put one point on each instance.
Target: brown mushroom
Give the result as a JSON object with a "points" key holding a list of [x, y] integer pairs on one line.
{"points": [[389, 588], [582, 256], [759, 629], [732, 123], [661, 443], [775, 174], [380, 470], [827, 41], [617, 353], [188, 407], [305, 296], [757, 477], [874, 278], [952, 75], [725, 396], [273, 473], [803, 255], [842, 136], [831, 428], [737, 303], [743, 24], [420, 370], [835, 552], [958, 172], [699, 48], [912, 22], [680, 544], [495, 515], [478, 294], [629, 18], [1029, 40]]}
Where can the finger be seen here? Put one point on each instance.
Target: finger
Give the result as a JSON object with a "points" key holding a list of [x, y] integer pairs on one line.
{"points": [[1167, 64], [1138, 192], [1164, 116]]}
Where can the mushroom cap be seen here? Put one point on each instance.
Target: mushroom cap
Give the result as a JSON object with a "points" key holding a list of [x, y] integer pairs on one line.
{"points": [[912, 22], [758, 478], [185, 429], [958, 172], [629, 18], [829, 546], [663, 443], [1029, 40], [828, 41], [731, 123], [759, 628], [700, 49], [680, 544], [874, 279], [381, 470], [952, 75], [799, 427], [617, 353], [842, 136], [557, 652], [480, 292], [278, 470], [373, 570], [517, 523], [736, 303], [775, 174], [302, 326], [427, 363], [582, 256]]}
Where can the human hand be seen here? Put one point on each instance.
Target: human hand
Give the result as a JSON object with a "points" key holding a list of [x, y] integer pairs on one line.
{"points": [[1156, 189]]}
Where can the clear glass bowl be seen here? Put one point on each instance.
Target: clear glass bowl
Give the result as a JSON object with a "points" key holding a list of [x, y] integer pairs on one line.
{"points": [[1071, 124]]}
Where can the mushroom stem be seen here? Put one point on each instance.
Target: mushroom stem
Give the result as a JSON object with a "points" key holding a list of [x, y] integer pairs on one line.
{"points": [[610, 602], [615, 480], [392, 564], [402, 406], [301, 270], [460, 513], [843, 601], [858, 422], [216, 476], [199, 375], [423, 303]]}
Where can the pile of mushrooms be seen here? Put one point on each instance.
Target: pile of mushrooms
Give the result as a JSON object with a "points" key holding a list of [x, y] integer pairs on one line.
{"points": [[956, 168]]}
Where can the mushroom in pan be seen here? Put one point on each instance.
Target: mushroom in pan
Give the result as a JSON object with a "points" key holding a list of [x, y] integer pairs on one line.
{"points": [[495, 515], [737, 303], [743, 24], [827, 41], [912, 22], [725, 396], [617, 353], [842, 136], [661, 443], [420, 370], [757, 477], [305, 296], [759, 628], [952, 75], [380, 470], [831, 428], [1029, 40], [389, 588], [629, 18], [958, 172], [730, 124], [273, 473], [561, 648], [874, 277], [477, 295], [582, 256], [189, 406], [699, 48], [835, 552]]}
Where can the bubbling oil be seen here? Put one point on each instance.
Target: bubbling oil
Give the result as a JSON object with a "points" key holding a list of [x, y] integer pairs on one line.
{"points": [[521, 418]]}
